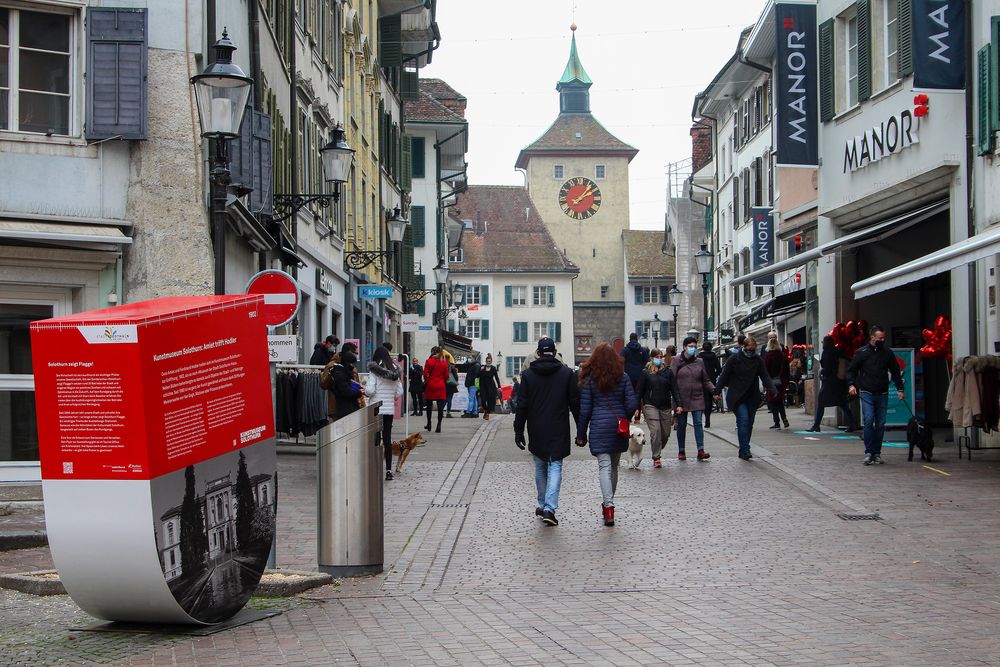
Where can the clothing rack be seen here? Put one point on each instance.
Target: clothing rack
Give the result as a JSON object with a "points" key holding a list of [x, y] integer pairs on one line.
{"points": [[984, 392], [299, 402]]}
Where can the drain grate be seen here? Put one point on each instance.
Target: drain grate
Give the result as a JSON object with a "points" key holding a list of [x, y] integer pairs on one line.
{"points": [[860, 517], [458, 505]]}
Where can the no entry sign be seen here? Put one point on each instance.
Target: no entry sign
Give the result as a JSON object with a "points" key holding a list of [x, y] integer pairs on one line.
{"points": [[281, 296]]}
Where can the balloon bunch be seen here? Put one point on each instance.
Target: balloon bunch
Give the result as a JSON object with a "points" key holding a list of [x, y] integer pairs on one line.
{"points": [[938, 339], [850, 336]]}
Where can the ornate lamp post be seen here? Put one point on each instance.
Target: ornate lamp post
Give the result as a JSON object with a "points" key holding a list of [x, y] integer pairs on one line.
{"points": [[703, 264], [674, 297], [656, 331], [396, 229], [221, 93], [337, 158]]}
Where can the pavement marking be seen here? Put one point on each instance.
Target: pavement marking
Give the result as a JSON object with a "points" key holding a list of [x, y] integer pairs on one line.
{"points": [[946, 474]]}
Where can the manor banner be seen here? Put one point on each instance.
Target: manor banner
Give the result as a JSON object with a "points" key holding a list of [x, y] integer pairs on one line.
{"points": [[938, 44], [796, 85], [763, 243]]}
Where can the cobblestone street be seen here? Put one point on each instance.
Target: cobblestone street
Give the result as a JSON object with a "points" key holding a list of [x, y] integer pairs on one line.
{"points": [[715, 563]]}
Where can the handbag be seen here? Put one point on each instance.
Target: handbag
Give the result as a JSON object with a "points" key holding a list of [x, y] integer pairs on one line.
{"points": [[623, 423]]}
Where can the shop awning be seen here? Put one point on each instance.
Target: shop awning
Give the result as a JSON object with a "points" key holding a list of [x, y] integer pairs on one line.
{"points": [[92, 237], [779, 306], [958, 254], [868, 235]]}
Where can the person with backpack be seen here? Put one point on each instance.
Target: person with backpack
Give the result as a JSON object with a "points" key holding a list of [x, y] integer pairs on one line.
{"points": [[549, 394], [635, 357], [606, 402]]}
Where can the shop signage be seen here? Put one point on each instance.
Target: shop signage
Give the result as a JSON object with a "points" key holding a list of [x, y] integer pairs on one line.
{"points": [[763, 242], [282, 349], [375, 291], [897, 412], [796, 81], [143, 438], [281, 296], [323, 281], [939, 44], [409, 323], [884, 140]]}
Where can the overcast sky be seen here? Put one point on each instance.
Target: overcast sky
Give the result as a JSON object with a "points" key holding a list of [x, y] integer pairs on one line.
{"points": [[647, 58]]}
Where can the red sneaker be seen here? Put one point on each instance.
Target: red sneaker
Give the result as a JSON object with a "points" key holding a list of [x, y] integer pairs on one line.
{"points": [[681, 456], [703, 455], [657, 464], [609, 515]]}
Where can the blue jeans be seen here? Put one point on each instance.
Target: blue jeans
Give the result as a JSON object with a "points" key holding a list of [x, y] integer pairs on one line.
{"points": [[873, 407], [699, 432], [548, 477], [745, 414], [473, 408]]}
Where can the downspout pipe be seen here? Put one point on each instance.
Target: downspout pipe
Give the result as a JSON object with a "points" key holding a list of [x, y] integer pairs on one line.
{"points": [[255, 71], [970, 156], [293, 122], [742, 58]]}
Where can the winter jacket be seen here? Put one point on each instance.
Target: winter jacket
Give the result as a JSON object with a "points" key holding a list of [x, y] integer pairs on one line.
{"points": [[599, 413], [347, 396], [776, 364], [417, 379], [658, 389], [383, 385], [436, 371], [451, 388], [972, 399], [870, 370], [471, 375], [692, 381], [547, 395], [636, 357], [712, 364], [489, 385], [740, 376], [833, 392], [321, 355]]}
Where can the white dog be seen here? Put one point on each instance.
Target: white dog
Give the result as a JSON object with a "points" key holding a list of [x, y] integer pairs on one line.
{"points": [[636, 441]]}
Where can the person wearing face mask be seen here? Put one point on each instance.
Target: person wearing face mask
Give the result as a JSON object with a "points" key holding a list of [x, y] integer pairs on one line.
{"points": [[656, 389], [489, 386], [693, 384], [741, 376], [777, 367], [345, 386], [868, 375]]}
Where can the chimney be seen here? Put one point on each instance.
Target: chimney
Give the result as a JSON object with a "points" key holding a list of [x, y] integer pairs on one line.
{"points": [[457, 104], [701, 147]]}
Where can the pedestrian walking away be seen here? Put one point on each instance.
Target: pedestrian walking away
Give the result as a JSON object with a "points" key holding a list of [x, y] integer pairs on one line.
{"points": [[384, 385], [471, 386], [344, 382], [489, 386], [693, 384], [436, 372], [713, 367], [657, 394], [548, 395], [635, 357], [776, 364], [741, 377], [606, 400], [417, 388], [868, 376], [833, 392]]}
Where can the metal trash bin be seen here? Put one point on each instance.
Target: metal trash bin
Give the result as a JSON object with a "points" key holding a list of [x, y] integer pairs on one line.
{"points": [[350, 525]]}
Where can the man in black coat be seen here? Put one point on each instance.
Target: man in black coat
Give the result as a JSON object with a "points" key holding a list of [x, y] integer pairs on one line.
{"points": [[714, 368], [323, 352], [636, 357], [868, 375], [344, 387], [546, 397]]}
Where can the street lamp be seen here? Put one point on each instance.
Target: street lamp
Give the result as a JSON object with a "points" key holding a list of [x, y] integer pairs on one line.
{"points": [[337, 158], [396, 229], [441, 272], [221, 93], [674, 297], [703, 263], [656, 331]]}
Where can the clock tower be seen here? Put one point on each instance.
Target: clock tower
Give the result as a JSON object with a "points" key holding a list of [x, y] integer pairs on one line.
{"points": [[577, 176]]}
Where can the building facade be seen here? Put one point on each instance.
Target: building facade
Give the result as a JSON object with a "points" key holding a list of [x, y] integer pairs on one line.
{"points": [[649, 276]]}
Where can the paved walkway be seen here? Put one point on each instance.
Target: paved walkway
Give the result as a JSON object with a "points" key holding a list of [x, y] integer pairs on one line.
{"points": [[714, 563]]}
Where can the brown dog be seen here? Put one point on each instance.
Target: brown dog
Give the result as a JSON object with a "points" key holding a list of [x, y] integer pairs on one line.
{"points": [[402, 448]]}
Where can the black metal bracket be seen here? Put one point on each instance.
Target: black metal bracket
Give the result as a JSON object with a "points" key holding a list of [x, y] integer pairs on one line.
{"points": [[360, 259], [412, 296], [286, 206]]}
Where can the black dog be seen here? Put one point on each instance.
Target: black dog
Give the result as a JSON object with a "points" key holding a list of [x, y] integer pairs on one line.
{"points": [[919, 435]]}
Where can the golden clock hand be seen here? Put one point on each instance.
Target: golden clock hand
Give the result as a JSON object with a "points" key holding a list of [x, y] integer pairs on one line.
{"points": [[583, 196]]}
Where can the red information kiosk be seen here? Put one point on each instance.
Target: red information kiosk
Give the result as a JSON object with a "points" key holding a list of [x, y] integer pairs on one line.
{"points": [[156, 436]]}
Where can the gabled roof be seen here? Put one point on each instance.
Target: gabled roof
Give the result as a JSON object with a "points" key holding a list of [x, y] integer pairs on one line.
{"points": [[643, 258], [575, 133], [426, 109], [439, 90], [507, 233]]}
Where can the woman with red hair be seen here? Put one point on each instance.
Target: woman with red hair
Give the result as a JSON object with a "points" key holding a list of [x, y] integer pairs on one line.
{"points": [[606, 396]]}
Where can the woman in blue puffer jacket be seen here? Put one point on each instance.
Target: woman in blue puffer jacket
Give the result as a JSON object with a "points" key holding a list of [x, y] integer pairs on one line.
{"points": [[605, 396]]}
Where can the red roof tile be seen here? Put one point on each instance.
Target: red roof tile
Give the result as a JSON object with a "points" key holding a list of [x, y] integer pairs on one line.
{"points": [[643, 257], [575, 133], [427, 109]]}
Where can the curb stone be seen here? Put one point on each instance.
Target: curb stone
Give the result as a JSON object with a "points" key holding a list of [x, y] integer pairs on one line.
{"points": [[10, 541], [41, 582]]}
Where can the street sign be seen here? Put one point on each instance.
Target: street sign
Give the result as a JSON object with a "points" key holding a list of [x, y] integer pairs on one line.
{"points": [[281, 296], [375, 291], [282, 349], [712, 335], [409, 323]]}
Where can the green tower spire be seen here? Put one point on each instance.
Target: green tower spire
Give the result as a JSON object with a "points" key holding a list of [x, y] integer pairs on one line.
{"points": [[574, 86]]}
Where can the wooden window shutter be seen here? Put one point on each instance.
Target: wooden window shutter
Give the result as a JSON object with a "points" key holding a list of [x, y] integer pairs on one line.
{"points": [[995, 73], [736, 201], [558, 334], [418, 224], [408, 88], [261, 163], [406, 163], [508, 296], [484, 329], [827, 92], [758, 182], [116, 73], [390, 47], [985, 114], [638, 295], [864, 49], [551, 295], [484, 295], [904, 38], [418, 157], [638, 328], [664, 294]]}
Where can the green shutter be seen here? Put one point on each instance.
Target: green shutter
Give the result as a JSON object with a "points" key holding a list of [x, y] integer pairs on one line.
{"points": [[995, 73], [417, 156], [484, 295], [406, 163], [421, 308], [664, 294], [552, 295], [984, 96], [508, 296], [827, 96], [390, 42], [418, 224], [904, 38], [638, 295], [451, 326], [409, 88], [484, 330], [864, 49], [638, 328], [558, 337], [664, 330]]}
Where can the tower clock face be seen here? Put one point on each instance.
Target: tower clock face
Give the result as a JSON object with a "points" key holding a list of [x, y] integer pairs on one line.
{"points": [[580, 198]]}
